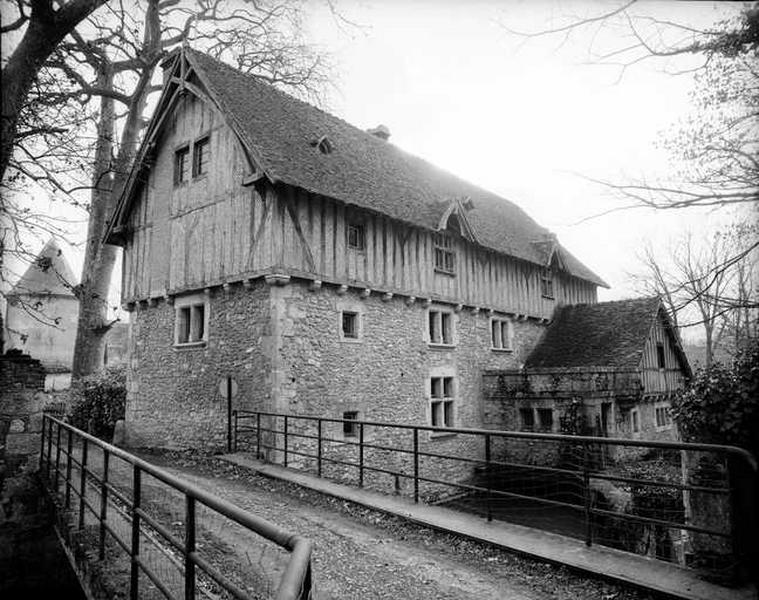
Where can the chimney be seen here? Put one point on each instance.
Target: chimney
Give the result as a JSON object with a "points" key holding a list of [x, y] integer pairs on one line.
{"points": [[380, 131]]}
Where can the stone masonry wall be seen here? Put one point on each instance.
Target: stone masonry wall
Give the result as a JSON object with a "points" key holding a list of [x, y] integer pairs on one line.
{"points": [[22, 380], [384, 375], [173, 400]]}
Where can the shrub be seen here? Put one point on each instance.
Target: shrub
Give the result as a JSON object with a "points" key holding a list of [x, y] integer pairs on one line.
{"points": [[98, 402], [721, 404]]}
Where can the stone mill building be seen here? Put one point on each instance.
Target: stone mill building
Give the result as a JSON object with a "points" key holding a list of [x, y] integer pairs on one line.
{"points": [[325, 270]]}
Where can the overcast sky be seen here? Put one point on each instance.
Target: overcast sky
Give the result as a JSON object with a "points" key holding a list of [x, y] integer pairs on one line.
{"points": [[519, 117]]}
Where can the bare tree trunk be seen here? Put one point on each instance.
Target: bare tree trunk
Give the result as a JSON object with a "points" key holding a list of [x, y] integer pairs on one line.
{"points": [[99, 258], [709, 350]]}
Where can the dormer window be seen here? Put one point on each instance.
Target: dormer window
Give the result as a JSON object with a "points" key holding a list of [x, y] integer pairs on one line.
{"points": [[324, 145], [445, 256], [356, 238], [546, 283]]}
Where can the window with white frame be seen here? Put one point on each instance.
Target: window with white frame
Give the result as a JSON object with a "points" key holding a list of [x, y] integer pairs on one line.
{"points": [[350, 325], [442, 397], [501, 334], [191, 322], [662, 415], [440, 327]]}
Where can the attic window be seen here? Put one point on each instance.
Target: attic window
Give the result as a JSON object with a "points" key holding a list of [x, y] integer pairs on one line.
{"points": [[444, 254], [546, 283], [181, 160], [324, 145], [200, 155]]}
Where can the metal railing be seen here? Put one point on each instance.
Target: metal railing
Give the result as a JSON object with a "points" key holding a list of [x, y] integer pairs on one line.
{"points": [[694, 500], [79, 472]]}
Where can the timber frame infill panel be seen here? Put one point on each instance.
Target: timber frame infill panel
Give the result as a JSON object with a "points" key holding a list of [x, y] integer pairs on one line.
{"points": [[399, 258]]}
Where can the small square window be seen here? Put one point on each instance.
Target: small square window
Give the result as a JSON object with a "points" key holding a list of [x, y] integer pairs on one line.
{"points": [[349, 325], [200, 156], [181, 164], [190, 325], [501, 334], [356, 239], [527, 419], [350, 427], [545, 419], [440, 327]]}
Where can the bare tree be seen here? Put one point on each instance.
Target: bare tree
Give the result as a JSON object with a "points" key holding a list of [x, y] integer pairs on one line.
{"points": [[45, 24], [717, 146], [106, 71], [708, 284]]}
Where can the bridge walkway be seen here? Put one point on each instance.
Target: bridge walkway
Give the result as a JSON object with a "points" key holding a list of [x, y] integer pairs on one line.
{"points": [[663, 578]]}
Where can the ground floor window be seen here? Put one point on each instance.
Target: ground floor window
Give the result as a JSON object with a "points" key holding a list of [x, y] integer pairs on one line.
{"points": [[191, 322], [350, 427], [441, 401], [661, 413], [635, 420], [501, 334], [526, 419]]}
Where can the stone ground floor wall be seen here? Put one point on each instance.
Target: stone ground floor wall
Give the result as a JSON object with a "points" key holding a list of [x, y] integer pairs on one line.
{"points": [[173, 396], [282, 343]]}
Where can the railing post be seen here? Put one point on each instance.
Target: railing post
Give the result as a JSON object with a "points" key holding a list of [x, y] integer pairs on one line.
{"points": [[586, 493], [83, 482], [69, 449], [487, 474], [189, 548], [43, 437], [57, 457], [135, 553], [103, 503], [258, 435], [285, 461], [234, 446], [49, 450], [360, 455], [416, 464], [229, 414], [319, 447]]}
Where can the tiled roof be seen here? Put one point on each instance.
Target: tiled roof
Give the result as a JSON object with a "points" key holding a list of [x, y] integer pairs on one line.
{"points": [[363, 170], [607, 334], [49, 274]]}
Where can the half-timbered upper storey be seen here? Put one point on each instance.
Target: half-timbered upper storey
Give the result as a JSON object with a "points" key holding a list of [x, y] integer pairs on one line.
{"points": [[236, 179]]}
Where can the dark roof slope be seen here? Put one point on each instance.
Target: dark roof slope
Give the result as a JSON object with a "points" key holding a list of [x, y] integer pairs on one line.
{"points": [[362, 169], [49, 274], [607, 334]]}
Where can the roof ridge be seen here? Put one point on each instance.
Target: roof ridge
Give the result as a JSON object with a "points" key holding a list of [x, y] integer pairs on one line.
{"points": [[373, 138]]}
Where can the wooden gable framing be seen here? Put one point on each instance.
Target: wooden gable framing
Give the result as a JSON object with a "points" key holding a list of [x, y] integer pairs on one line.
{"points": [[183, 78]]}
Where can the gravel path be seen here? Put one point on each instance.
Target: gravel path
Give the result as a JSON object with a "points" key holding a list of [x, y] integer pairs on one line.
{"points": [[364, 554]]}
